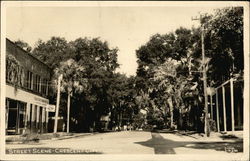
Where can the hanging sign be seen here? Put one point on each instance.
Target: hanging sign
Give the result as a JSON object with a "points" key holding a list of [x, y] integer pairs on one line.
{"points": [[51, 108]]}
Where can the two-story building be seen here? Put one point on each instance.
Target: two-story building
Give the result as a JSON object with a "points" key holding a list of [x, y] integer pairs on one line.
{"points": [[27, 89]]}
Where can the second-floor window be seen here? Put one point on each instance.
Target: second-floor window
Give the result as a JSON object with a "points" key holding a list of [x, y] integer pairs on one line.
{"points": [[45, 86], [29, 80], [37, 83]]}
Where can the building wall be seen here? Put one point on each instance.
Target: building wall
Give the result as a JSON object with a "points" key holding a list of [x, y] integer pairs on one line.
{"points": [[26, 102], [36, 74], [28, 61]]}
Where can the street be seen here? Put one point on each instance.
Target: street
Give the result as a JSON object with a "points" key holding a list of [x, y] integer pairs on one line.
{"points": [[129, 142]]}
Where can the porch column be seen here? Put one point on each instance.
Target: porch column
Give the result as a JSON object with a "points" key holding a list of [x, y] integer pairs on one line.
{"points": [[46, 120], [37, 117], [27, 116], [224, 108], [33, 118], [6, 114], [43, 119], [232, 101], [217, 111]]}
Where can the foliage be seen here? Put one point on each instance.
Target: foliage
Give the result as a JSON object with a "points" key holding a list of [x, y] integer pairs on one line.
{"points": [[224, 44], [165, 68], [73, 76], [25, 46], [121, 95], [139, 120], [168, 84], [87, 66], [156, 119], [53, 51], [14, 71]]}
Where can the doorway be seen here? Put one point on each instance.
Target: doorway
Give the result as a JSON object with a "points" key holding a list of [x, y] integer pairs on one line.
{"points": [[15, 111]]}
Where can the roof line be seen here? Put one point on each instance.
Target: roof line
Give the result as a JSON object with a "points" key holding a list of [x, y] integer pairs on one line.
{"points": [[28, 53]]}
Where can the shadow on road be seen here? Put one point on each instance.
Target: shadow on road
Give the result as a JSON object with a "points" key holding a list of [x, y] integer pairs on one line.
{"points": [[162, 145]]}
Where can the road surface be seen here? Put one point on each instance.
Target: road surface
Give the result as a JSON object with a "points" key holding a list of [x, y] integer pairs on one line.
{"points": [[127, 142]]}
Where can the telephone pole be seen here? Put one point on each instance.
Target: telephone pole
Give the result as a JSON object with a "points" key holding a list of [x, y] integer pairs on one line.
{"points": [[57, 102], [206, 125]]}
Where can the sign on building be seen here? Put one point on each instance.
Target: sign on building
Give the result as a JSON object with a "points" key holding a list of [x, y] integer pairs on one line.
{"points": [[51, 108]]}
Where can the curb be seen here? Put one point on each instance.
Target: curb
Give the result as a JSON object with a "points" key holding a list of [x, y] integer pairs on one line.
{"points": [[50, 139]]}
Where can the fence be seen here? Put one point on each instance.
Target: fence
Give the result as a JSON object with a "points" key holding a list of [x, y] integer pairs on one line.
{"points": [[226, 106]]}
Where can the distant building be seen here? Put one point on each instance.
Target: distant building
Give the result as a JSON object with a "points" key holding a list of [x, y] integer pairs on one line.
{"points": [[27, 88]]}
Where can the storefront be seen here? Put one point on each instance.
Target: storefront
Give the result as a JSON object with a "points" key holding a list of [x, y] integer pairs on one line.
{"points": [[25, 112]]}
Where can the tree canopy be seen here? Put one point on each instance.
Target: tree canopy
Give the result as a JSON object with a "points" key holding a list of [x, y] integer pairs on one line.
{"points": [[168, 83]]}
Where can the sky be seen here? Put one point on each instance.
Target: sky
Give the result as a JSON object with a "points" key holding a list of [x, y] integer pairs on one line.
{"points": [[127, 28]]}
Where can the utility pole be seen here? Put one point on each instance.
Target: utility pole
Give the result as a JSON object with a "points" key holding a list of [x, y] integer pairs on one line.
{"points": [[57, 102], [204, 83], [206, 125]]}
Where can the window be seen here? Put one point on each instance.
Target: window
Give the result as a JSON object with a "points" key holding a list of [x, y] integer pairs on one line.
{"points": [[44, 86], [34, 83], [47, 87], [37, 83], [29, 80]]}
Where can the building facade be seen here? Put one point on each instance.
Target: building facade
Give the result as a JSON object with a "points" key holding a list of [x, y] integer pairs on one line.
{"points": [[27, 89]]}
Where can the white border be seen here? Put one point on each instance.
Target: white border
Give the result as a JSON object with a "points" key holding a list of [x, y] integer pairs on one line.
{"points": [[244, 156]]}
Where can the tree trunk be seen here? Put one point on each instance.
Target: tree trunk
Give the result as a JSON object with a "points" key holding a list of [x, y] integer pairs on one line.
{"points": [[170, 103], [68, 113], [120, 120]]}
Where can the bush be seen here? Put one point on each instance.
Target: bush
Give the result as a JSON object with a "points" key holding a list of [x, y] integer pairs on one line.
{"points": [[156, 119], [139, 121], [148, 127], [31, 138], [212, 125]]}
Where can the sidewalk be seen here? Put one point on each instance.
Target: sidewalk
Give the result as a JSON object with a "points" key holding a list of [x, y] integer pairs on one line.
{"points": [[214, 136], [22, 139]]}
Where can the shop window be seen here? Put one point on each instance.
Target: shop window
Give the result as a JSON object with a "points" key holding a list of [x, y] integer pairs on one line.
{"points": [[12, 116], [30, 119], [16, 116]]}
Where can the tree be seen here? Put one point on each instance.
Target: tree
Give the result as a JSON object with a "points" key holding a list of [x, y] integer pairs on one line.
{"points": [[121, 95], [53, 51], [165, 65], [224, 44], [73, 81], [25, 46], [99, 62], [14, 71]]}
